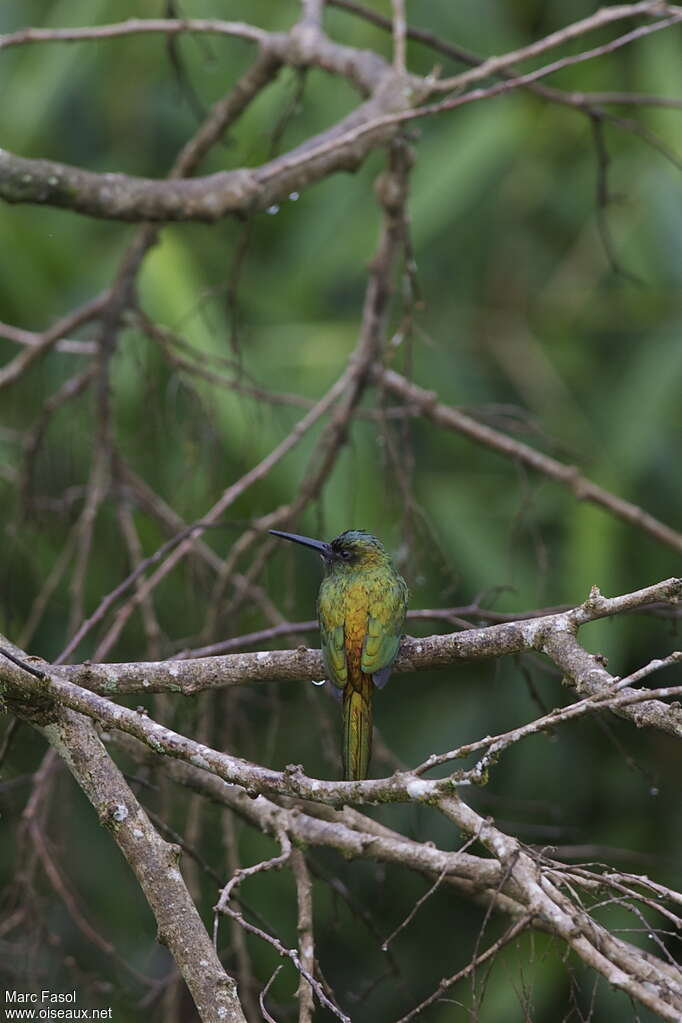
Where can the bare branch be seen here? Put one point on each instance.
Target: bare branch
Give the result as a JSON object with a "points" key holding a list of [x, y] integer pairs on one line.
{"points": [[604, 16], [274, 863], [509, 637], [555, 635], [399, 36], [312, 12], [30, 339], [646, 979], [44, 342], [226, 500], [313, 824], [602, 699], [154, 862], [426, 403], [512, 932], [306, 945], [134, 26], [293, 956], [344, 146]]}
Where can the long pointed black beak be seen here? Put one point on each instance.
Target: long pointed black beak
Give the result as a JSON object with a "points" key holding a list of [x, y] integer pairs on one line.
{"points": [[306, 541]]}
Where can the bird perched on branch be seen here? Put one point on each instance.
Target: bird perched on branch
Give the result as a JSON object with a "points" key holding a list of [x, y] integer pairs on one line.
{"points": [[361, 609]]}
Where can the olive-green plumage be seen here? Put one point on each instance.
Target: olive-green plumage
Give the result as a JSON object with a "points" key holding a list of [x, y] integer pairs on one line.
{"points": [[361, 609]]}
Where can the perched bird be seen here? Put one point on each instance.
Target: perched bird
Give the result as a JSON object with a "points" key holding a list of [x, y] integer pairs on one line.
{"points": [[361, 609]]}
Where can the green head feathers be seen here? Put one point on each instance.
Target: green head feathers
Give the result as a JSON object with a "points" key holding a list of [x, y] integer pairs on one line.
{"points": [[355, 548], [351, 550]]}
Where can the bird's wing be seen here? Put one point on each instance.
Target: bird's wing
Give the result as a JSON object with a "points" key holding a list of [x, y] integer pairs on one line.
{"points": [[384, 628], [331, 634]]}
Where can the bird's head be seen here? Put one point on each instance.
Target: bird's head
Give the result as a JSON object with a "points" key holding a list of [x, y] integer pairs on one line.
{"points": [[354, 549]]}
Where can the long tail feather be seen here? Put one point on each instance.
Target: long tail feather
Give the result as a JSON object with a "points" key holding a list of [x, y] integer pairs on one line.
{"points": [[357, 729]]}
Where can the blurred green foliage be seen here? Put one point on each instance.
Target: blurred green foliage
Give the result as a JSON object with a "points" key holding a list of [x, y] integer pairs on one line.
{"points": [[525, 323]]}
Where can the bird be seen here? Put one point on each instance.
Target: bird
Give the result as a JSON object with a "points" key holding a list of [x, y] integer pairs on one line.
{"points": [[361, 609]]}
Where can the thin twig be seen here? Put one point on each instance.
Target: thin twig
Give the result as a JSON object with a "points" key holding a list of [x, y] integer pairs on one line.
{"points": [[426, 403], [110, 599], [69, 323], [274, 863], [291, 954], [262, 996], [509, 935], [399, 36], [413, 912], [604, 16]]}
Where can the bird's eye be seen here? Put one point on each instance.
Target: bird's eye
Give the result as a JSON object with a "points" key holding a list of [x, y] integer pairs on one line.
{"points": [[345, 554]]}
